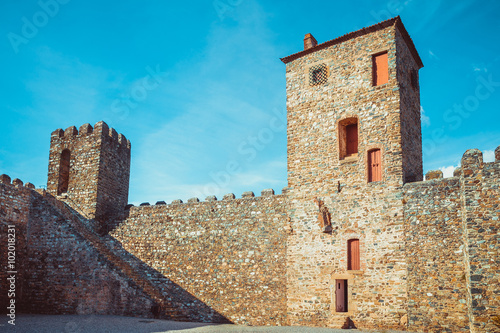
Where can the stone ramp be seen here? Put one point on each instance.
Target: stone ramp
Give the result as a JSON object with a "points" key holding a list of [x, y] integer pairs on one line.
{"points": [[81, 225]]}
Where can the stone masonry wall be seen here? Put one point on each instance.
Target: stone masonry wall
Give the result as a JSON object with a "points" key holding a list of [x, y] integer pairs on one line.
{"points": [[411, 133], [14, 215], [370, 212], [228, 254], [114, 175], [436, 267], [480, 185], [59, 270], [99, 169]]}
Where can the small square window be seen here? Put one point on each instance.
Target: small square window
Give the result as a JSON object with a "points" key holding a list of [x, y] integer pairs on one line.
{"points": [[318, 75]]}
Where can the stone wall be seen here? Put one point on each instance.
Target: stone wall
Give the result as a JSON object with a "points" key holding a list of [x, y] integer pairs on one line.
{"points": [[480, 187], [59, 270], [228, 254], [370, 212], [409, 92], [15, 214], [99, 169], [436, 267], [453, 248]]}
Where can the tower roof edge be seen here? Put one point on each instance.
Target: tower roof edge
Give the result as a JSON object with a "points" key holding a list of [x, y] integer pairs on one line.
{"points": [[381, 25]]}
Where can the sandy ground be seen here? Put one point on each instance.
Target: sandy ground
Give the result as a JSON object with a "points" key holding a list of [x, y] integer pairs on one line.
{"points": [[117, 324]]}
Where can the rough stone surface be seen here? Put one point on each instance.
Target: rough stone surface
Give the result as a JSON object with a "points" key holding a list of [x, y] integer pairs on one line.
{"points": [[428, 250], [434, 174], [99, 170], [230, 254]]}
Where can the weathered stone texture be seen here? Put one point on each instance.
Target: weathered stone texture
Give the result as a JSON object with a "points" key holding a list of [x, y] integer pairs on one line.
{"points": [[370, 212], [428, 250], [59, 271], [99, 169], [436, 264], [229, 254], [480, 191]]}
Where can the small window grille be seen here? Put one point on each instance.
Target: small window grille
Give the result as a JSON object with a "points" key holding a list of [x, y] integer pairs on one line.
{"points": [[318, 75]]}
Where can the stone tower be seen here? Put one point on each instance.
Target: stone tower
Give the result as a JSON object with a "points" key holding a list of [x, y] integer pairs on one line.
{"points": [[90, 169], [354, 139]]}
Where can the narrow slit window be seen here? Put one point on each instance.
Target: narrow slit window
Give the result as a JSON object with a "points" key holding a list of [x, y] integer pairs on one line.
{"points": [[353, 255], [64, 167], [374, 166], [380, 69]]}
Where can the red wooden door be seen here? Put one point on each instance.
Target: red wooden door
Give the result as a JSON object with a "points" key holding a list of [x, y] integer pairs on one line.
{"points": [[374, 166], [353, 254], [341, 295], [352, 139], [380, 69]]}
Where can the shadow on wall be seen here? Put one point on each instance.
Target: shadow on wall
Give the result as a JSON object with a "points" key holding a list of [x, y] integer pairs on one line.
{"points": [[69, 269]]}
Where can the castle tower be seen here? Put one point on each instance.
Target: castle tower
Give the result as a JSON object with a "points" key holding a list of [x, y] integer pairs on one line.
{"points": [[354, 139], [89, 168]]}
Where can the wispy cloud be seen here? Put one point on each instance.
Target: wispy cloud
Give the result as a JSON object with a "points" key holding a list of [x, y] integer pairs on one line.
{"points": [[426, 121], [488, 156], [186, 154]]}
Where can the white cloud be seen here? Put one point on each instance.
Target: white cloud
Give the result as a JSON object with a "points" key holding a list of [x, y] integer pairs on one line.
{"points": [[448, 170], [217, 112], [426, 121], [488, 156]]}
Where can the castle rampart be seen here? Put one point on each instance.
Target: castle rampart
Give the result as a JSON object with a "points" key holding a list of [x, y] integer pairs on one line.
{"points": [[355, 239], [451, 227], [230, 254]]}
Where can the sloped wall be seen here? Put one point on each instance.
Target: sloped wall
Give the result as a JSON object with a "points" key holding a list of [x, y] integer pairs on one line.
{"points": [[59, 271]]}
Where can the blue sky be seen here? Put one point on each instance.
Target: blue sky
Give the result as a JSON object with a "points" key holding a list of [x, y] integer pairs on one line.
{"points": [[198, 87]]}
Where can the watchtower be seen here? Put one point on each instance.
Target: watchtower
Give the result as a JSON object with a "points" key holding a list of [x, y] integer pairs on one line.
{"points": [[90, 169], [354, 139]]}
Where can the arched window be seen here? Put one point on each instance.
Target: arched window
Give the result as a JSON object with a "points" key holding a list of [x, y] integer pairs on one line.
{"points": [[348, 137], [353, 255], [64, 172], [374, 165]]}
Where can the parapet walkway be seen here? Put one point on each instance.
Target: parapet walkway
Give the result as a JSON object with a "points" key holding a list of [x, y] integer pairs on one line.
{"points": [[117, 324]]}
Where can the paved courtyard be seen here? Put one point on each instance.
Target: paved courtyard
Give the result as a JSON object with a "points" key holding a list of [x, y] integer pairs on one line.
{"points": [[117, 324]]}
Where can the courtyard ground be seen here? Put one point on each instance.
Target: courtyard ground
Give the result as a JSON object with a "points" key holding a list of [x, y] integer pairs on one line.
{"points": [[117, 324]]}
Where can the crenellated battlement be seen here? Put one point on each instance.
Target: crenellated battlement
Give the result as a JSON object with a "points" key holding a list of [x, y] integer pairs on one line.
{"points": [[99, 131], [90, 166], [472, 161], [246, 196], [6, 180]]}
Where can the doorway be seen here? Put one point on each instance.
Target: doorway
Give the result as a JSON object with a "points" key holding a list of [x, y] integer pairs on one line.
{"points": [[341, 296]]}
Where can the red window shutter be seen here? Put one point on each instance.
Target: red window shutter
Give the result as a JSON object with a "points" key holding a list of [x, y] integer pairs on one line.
{"points": [[353, 254], [374, 166], [352, 139], [380, 69]]}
